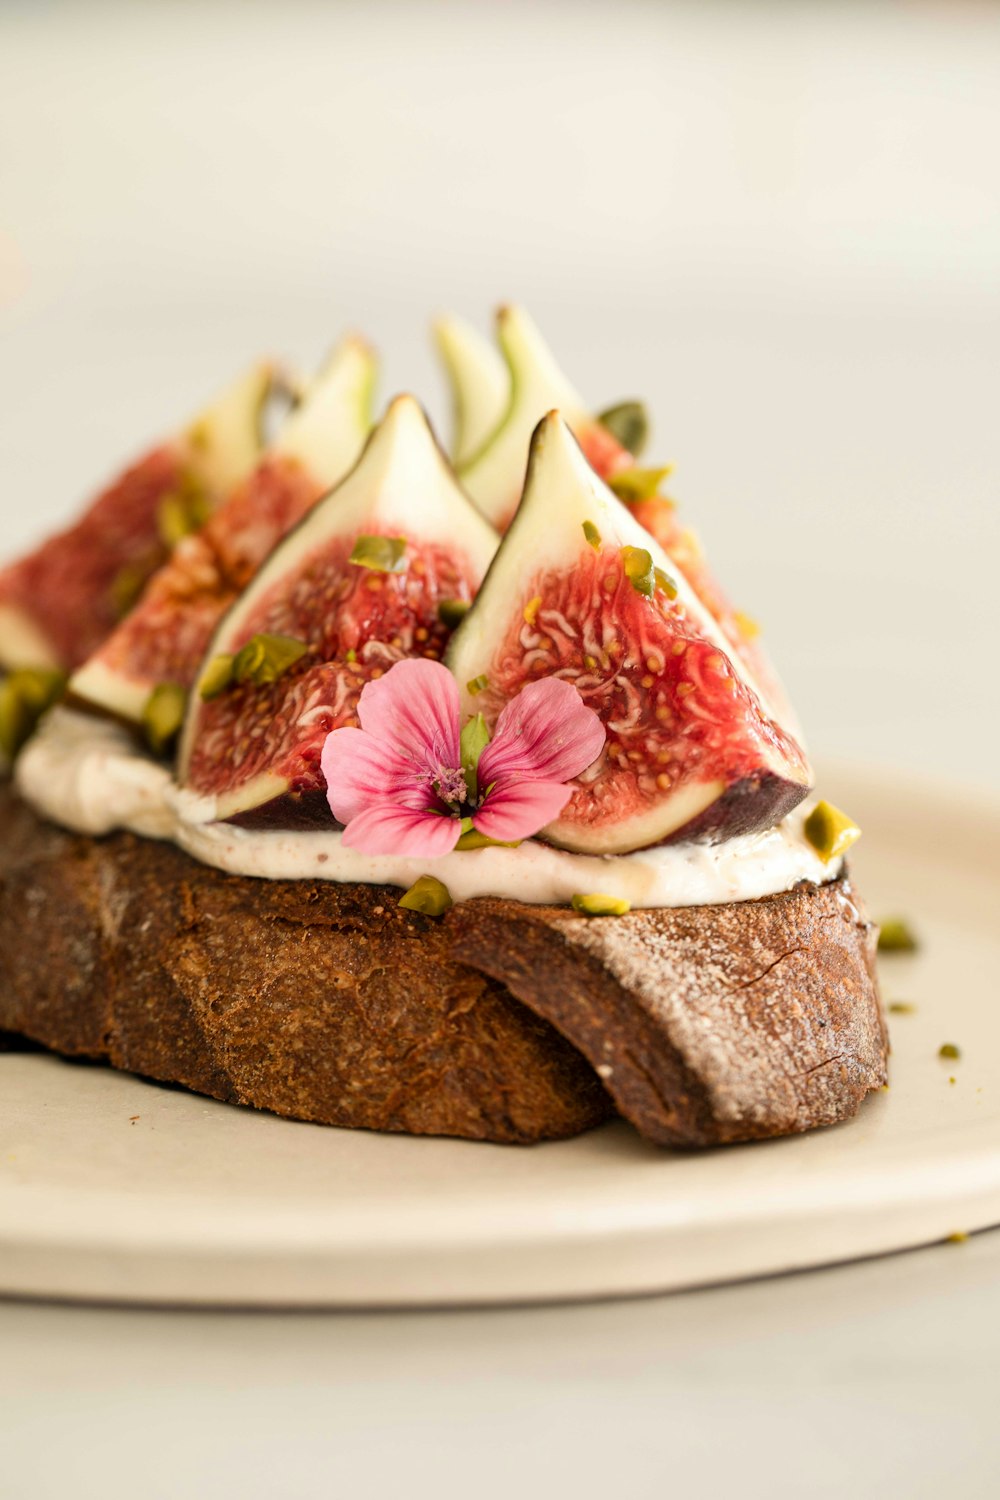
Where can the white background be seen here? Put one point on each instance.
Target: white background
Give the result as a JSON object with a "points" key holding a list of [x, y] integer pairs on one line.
{"points": [[780, 224]]}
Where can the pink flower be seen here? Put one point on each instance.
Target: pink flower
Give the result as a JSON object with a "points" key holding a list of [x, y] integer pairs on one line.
{"points": [[398, 783]]}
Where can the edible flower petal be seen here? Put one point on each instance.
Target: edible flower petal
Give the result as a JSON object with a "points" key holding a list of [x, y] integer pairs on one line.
{"points": [[407, 778]]}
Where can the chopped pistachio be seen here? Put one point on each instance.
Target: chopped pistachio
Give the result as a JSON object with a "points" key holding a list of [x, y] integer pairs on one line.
{"points": [[639, 570], [592, 534], [429, 895], [128, 583], [163, 715], [24, 696], [896, 936], [475, 685], [633, 485], [265, 658], [181, 512], [350, 654], [628, 424], [596, 905], [473, 741], [957, 1237], [473, 839], [216, 677], [746, 625], [452, 612], [830, 831], [383, 554], [665, 583], [948, 1049], [531, 609], [902, 1008]]}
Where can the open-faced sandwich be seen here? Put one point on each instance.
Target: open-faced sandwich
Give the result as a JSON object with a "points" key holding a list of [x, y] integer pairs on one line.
{"points": [[383, 793]]}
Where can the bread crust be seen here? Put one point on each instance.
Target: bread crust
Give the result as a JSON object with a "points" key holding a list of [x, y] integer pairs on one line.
{"points": [[500, 1021]]}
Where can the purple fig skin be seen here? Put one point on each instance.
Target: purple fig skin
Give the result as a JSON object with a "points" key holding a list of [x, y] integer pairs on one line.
{"points": [[295, 811], [749, 806]]}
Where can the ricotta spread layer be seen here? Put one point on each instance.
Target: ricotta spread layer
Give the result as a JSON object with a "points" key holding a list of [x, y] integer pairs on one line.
{"points": [[87, 774]]}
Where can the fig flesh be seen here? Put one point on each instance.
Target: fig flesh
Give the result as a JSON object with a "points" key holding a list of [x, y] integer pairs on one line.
{"points": [[61, 601], [164, 637], [359, 584], [579, 590]]}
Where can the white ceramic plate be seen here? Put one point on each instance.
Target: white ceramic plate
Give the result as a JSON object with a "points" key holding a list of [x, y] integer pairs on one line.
{"points": [[117, 1189]]}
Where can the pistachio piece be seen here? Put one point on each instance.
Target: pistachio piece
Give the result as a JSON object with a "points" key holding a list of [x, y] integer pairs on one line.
{"points": [[452, 612], [639, 570], [896, 936], [628, 424], [633, 485], [216, 677], [383, 554], [24, 697], [475, 685], [128, 583], [163, 716], [830, 831], [665, 583], [265, 658], [429, 895], [902, 1008], [596, 905], [948, 1049], [592, 534], [473, 839], [180, 513]]}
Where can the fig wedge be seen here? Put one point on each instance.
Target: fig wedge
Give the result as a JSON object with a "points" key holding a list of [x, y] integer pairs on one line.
{"points": [[164, 638], [61, 601], [357, 586], [579, 590]]}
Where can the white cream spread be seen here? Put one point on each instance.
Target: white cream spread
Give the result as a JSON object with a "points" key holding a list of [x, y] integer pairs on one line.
{"points": [[86, 774]]}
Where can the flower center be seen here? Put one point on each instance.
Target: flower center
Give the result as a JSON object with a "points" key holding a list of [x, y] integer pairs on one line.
{"points": [[449, 783]]}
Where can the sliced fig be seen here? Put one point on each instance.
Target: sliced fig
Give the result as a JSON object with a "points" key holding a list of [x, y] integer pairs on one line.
{"points": [[480, 385], [358, 585], [579, 590], [610, 441], [164, 637], [61, 601]]}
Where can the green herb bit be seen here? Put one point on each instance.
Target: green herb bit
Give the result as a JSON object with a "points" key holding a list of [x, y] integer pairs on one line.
{"points": [[830, 831], [473, 741], [163, 716], [429, 895], [639, 570], [592, 534], [948, 1049], [476, 685], [452, 612], [633, 485], [902, 1008], [665, 583], [896, 936], [24, 697], [596, 905], [383, 554], [216, 677], [628, 424]]}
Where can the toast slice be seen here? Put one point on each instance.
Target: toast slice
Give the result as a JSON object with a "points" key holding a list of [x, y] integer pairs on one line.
{"points": [[500, 1021]]}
